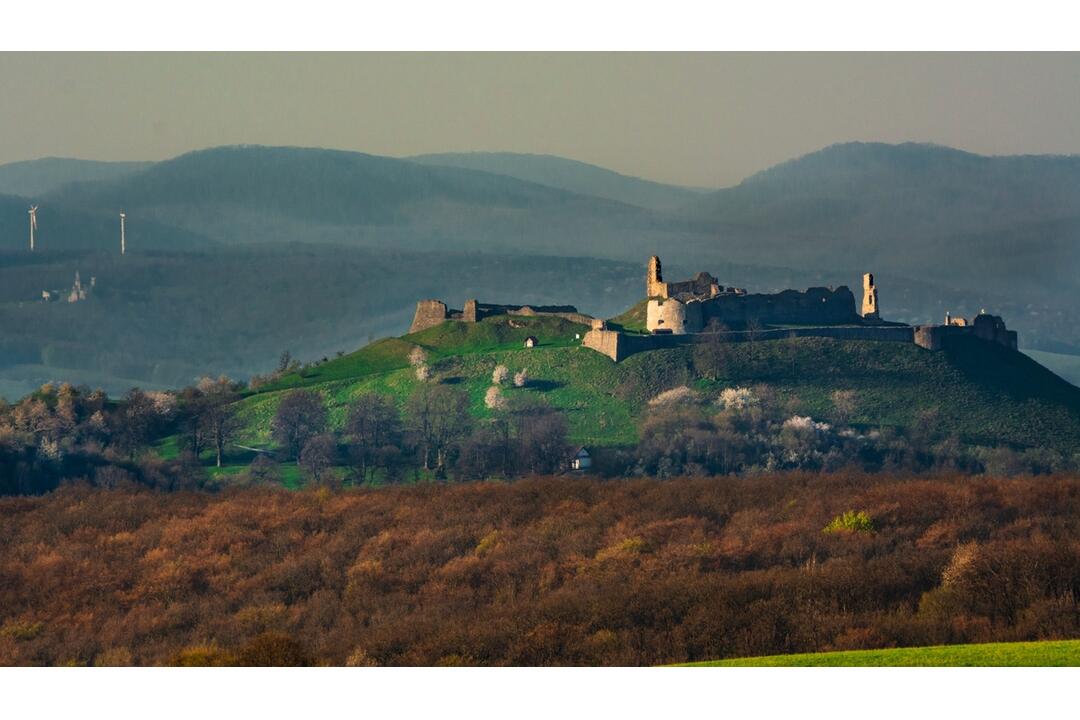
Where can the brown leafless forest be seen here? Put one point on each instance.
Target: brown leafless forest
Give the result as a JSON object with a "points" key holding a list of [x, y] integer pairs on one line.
{"points": [[536, 572]]}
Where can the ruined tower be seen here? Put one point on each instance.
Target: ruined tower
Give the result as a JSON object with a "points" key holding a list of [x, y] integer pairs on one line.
{"points": [[870, 301], [654, 280]]}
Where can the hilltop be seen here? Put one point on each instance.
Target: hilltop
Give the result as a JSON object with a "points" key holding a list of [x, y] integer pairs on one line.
{"points": [[572, 175], [45, 175], [918, 210], [982, 394]]}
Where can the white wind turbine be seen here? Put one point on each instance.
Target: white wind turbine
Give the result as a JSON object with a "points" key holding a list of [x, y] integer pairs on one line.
{"points": [[33, 225], [122, 243]]}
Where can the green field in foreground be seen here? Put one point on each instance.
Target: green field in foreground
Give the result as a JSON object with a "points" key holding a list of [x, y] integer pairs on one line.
{"points": [[1059, 653]]}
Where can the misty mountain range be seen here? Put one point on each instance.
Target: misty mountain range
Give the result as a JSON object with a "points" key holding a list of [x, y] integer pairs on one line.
{"points": [[942, 230]]}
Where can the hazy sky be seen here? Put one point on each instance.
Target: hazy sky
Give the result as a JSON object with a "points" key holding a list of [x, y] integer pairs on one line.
{"points": [[701, 119]]}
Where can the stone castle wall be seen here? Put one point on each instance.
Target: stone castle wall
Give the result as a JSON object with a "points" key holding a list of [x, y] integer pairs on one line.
{"points": [[672, 316], [619, 346], [434, 312], [429, 313], [990, 328], [815, 306]]}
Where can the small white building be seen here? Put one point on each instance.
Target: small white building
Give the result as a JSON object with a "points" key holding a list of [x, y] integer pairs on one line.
{"points": [[581, 460], [531, 341]]}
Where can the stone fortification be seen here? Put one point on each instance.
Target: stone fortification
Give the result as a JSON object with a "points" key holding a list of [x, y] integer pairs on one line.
{"points": [[435, 312], [702, 285], [869, 303], [691, 311], [815, 306], [619, 346], [990, 328], [429, 313]]}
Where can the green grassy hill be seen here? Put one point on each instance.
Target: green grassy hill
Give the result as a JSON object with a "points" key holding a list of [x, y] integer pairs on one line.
{"points": [[979, 392], [1057, 653]]}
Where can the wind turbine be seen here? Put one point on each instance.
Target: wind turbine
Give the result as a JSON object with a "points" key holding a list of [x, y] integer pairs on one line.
{"points": [[122, 244], [33, 225]]}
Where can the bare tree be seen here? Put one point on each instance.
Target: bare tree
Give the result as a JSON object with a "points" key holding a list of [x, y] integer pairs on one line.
{"points": [[753, 334], [439, 417], [372, 427], [300, 416], [542, 438], [318, 456], [845, 403], [711, 356], [135, 422], [219, 417], [263, 470]]}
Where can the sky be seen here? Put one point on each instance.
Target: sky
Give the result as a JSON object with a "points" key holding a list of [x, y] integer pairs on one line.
{"points": [[706, 119]]}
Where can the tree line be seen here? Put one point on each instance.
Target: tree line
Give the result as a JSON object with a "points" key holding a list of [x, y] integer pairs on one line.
{"points": [[65, 433]]}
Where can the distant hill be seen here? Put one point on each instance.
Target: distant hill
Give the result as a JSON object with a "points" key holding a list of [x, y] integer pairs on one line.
{"points": [[33, 178], [923, 211], [239, 195], [566, 174]]}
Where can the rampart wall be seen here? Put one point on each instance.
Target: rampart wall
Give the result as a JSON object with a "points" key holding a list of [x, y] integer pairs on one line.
{"points": [[433, 312], [619, 346], [816, 305]]}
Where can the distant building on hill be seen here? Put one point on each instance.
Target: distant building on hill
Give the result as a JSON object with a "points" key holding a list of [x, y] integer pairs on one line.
{"points": [[702, 310], [581, 460], [77, 293]]}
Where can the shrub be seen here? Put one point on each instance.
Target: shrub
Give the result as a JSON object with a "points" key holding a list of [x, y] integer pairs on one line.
{"points": [[203, 656], [274, 650], [675, 395], [850, 522], [493, 398], [21, 630], [737, 398], [500, 375], [418, 356], [521, 378], [845, 403]]}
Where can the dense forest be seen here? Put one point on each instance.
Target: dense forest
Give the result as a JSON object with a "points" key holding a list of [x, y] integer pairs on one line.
{"points": [[537, 572]]}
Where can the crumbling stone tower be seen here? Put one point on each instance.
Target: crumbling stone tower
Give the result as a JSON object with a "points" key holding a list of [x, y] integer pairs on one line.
{"points": [[654, 280], [870, 303]]}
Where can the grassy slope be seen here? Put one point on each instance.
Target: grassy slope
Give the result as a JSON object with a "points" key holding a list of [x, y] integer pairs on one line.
{"points": [[1043, 654], [633, 320], [985, 395]]}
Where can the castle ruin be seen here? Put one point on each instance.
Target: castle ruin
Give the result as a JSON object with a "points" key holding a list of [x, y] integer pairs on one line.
{"points": [[689, 307], [869, 301], [77, 293], [694, 310], [698, 309]]}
